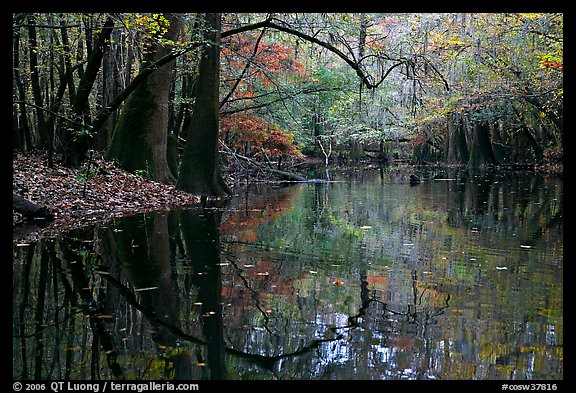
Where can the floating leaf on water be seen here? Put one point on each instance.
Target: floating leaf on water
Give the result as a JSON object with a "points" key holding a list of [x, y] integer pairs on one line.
{"points": [[145, 289]]}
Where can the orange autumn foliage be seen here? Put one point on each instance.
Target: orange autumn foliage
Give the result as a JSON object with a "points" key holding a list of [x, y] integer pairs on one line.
{"points": [[247, 132]]}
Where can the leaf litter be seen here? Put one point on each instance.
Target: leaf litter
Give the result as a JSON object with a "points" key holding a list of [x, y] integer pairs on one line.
{"points": [[78, 200]]}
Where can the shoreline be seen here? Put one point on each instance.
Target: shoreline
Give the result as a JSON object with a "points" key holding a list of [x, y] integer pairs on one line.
{"points": [[78, 199]]}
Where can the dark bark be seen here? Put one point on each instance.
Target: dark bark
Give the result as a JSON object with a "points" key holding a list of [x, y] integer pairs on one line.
{"points": [[182, 121], [481, 152], [30, 210], [90, 308], [201, 231], [143, 124], [39, 322], [200, 167], [524, 134], [123, 95], [22, 137], [76, 141], [456, 150], [35, 81], [110, 87], [357, 150], [351, 62], [67, 62]]}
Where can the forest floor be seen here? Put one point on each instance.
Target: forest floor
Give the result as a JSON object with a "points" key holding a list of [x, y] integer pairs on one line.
{"points": [[84, 196]]}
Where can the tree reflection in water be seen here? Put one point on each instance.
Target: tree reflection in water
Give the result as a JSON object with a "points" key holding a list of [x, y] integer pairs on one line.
{"points": [[351, 280]]}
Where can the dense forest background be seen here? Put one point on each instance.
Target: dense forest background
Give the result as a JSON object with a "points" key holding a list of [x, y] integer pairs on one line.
{"points": [[177, 98]]}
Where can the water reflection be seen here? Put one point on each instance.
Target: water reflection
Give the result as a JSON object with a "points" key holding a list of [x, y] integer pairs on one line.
{"points": [[459, 277]]}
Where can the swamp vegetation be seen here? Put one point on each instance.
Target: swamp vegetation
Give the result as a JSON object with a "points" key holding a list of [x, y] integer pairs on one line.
{"points": [[288, 196]]}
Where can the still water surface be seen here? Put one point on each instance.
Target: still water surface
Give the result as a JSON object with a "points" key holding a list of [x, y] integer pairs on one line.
{"points": [[367, 277]]}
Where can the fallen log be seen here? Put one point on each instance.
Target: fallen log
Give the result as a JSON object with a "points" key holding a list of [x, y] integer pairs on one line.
{"points": [[30, 210]]}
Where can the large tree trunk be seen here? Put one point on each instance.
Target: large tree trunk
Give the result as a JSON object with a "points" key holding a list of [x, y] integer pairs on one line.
{"points": [[140, 139], [200, 167], [481, 152], [356, 150], [457, 150]]}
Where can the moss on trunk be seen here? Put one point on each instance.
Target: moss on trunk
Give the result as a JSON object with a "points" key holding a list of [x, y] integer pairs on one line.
{"points": [[129, 145]]}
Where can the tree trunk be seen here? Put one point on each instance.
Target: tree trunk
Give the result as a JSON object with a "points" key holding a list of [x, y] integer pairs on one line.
{"points": [[481, 152], [140, 140], [35, 82], [110, 87], [200, 168], [77, 137], [456, 151], [22, 137], [356, 151]]}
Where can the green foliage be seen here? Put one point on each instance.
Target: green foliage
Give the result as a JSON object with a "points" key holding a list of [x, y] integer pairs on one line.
{"points": [[433, 64]]}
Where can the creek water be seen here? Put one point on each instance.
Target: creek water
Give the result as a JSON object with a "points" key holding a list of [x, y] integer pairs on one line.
{"points": [[364, 277]]}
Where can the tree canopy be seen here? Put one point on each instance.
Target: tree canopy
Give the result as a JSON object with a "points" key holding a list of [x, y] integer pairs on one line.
{"points": [[466, 88]]}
